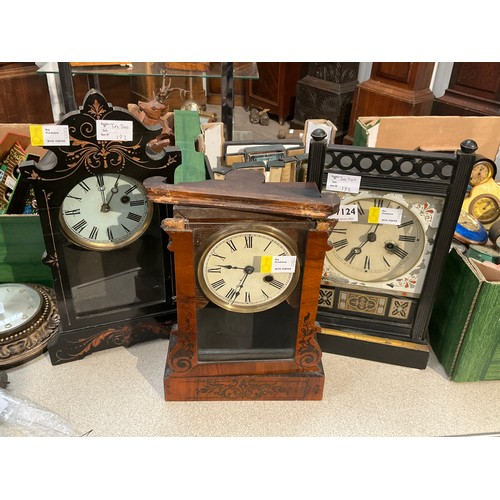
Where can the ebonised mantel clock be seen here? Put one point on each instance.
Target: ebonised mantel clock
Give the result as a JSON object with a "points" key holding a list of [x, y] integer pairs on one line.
{"points": [[111, 271], [382, 272], [248, 261]]}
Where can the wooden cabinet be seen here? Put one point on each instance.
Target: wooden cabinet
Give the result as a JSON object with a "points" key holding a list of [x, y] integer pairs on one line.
{"points": [[394, 89], [474, 89], [24, 94], [275, 89], [117, 89]]}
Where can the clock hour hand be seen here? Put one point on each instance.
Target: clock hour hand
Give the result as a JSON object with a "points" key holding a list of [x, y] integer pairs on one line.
{"points": [[231, 267]]}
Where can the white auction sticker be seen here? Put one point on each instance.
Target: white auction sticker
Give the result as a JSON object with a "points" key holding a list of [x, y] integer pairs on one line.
{"points": [[343, 183], [284, 264], [346, 213], [381, 215], [114, 130]]}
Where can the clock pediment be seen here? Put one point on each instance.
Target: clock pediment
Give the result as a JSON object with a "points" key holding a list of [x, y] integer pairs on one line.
{"points": [[87, 155]]}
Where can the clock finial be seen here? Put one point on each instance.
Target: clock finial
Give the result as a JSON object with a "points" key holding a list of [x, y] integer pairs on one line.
{"points": [[468, 146]]}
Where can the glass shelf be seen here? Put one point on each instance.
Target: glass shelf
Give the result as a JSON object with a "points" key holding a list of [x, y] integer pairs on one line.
{"points": [[244, 71], [227, 72]]}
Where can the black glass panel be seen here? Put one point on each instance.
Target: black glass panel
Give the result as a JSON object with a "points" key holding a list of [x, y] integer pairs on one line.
{"points": [[104, 281], [227, 335]]}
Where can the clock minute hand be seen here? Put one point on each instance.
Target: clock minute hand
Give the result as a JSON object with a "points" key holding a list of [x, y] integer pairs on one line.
{"points": [[248, 270], [114, 190], [101, 187]]}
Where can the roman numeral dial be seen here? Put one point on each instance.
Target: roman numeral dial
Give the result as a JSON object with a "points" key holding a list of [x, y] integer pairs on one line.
{"points": [[248, 270], [385, 242], [105, 212]]}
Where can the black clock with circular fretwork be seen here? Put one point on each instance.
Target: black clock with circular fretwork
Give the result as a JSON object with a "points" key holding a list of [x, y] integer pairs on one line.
{"points": [[111, 271], [381, 275]]}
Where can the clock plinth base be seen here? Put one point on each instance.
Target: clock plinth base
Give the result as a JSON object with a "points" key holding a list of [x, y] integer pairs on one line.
{"points": [[384, 350], [76, 344], [306, 386], [187, 379]]}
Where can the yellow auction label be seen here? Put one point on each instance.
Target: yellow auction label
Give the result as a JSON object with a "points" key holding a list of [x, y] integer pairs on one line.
{"points": [[266, 264], [373, 215], [36, 134]]}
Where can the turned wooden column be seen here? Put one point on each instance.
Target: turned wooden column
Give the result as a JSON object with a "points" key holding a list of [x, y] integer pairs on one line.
{"points": [[394, 89], [474, 89]]}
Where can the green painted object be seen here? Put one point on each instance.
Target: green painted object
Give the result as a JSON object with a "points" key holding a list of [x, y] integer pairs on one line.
{"points": [[21, 251], [464, 330], [187, 131]]}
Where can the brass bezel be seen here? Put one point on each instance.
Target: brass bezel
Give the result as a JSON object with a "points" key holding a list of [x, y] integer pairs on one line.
{"points": [[405, 269], [491, 170], [475, 201], [104, 247], [241, 229], [30, 339]]}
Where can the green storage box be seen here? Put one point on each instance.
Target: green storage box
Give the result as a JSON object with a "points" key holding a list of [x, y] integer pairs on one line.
{"points": [[21, 250], [464, 330]]}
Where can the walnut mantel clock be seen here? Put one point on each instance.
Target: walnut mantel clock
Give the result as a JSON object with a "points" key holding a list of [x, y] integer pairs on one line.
{"points": [[248, 261], [382, 272], [111, 272]]}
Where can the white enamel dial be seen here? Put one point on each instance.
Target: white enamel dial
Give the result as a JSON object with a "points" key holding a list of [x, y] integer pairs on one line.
{"points": [[105, 212], [376, 252], [389, 257], [235, 269], [19, 304]]}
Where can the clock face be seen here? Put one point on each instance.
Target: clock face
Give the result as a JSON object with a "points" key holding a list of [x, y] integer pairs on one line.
{"points": [[249, 270], [377, 252], [388, 247], [481, 172], [105, 212], [485, 208], [19, 305]]}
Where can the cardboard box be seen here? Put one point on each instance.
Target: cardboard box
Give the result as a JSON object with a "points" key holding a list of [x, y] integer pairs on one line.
{"points": [[21, 240], [21, 251], [464, 330], [429, 133], [312, 124], [212, 140]]}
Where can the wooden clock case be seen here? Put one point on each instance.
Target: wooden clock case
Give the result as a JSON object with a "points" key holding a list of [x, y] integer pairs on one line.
{"points": [[393, 89], [474, 89], [243, 200], [105, 298]]}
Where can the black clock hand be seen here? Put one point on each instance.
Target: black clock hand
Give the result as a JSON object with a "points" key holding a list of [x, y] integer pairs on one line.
{"points": [[354, 251], [394, 249], [248, 270], [114, 190], [101, 187], [370, 237]]}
